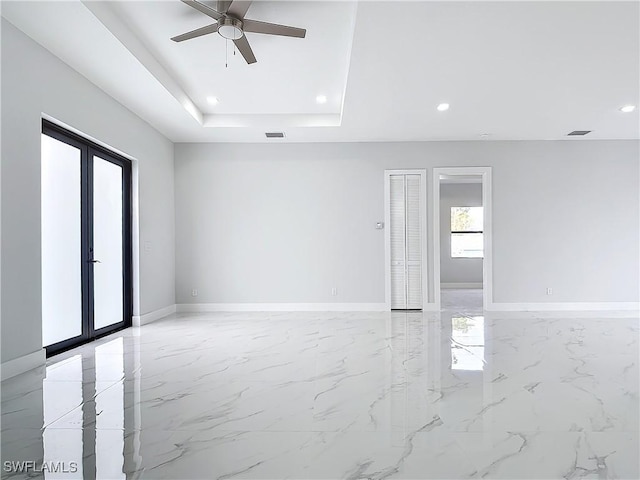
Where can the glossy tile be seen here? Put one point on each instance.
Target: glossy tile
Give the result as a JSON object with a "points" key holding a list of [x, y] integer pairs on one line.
{"points": [[460, 394]]}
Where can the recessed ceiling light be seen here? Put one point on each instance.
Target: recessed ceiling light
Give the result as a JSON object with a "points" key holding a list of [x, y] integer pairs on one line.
{"points": [[443, 107], [628, 108], [484, 135], [321, 99], [212, 100]]}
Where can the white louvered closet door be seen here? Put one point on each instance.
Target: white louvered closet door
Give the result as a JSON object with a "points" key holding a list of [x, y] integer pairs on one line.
{"points": [[398, 244], [406, 242]]}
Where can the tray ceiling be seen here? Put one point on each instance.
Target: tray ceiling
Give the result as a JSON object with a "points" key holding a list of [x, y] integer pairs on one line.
{"points": [[509, 70]]}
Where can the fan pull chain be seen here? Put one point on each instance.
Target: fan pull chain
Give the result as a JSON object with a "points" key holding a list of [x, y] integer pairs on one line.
{"points": [[226, 54]]}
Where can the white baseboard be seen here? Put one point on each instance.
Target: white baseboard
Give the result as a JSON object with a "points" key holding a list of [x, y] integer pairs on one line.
{"points": [[447, 286], [281, 307], [139, 320], [23, 364], [564, 306], [430, 307]]}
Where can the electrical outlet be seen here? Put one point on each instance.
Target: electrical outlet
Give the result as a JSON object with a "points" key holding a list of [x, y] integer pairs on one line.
{"points": [[194, 292], [549, 291], [334, 291]]}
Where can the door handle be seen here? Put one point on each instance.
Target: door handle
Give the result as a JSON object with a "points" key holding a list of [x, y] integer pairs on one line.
{"points": [[94, 261]]}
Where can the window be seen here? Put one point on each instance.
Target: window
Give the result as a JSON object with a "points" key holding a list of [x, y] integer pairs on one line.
{"points": [[466, 232]]}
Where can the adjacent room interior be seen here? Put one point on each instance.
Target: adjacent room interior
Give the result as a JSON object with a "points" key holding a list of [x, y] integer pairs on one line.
{"points": [[288, 239], [461, 241]]}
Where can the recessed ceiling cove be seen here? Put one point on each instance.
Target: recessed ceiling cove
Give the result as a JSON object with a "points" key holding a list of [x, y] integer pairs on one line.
{"points": [[280, 89], [509, 70]]}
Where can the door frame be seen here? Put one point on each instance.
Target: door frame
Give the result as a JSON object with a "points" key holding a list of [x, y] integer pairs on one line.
{"points": [[87, 149], [423, 233], [487, 229]]}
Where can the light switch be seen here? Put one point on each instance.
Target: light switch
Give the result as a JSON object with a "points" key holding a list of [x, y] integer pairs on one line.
{"points": [[379, 225], [147, 246]]}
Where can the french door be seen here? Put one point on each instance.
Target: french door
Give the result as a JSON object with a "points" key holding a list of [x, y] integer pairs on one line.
{"points": [[86, 240]]}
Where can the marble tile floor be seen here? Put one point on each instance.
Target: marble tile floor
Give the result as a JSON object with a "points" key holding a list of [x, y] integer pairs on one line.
{"points": [[335, 395], [467, 300]]}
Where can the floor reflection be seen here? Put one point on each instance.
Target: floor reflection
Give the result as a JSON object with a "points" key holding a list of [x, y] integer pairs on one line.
{"points": [[75, 409], [63, 391], [109, 411], [467, 343]]}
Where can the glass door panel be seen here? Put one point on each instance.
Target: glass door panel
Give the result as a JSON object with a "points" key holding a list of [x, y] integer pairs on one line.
{"points": [[61, 241], [108, 296]]}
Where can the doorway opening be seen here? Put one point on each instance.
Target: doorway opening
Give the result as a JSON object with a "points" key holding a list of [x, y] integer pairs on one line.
{"points": [[462, 238], [86, 240]]}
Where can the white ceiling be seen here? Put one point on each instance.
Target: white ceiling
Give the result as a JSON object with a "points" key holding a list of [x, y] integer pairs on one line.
{"points": [[513, 70], [290, 72]]}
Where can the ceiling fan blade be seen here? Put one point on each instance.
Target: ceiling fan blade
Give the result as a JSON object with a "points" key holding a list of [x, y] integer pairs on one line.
{"points": [[198, 32], [254, 26], [239, 8], [245, 49], [201, 7], [223, 5]]}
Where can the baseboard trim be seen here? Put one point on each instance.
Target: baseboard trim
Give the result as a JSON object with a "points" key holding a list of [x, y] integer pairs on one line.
{"points": [[564, 306], [430, 307], [461, 285], [281, 307], [139, 320], [23, 364]]}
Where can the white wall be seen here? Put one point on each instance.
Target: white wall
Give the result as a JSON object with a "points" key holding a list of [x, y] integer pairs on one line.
{"points": [[287, 222], [35, 82], [457, 270]]}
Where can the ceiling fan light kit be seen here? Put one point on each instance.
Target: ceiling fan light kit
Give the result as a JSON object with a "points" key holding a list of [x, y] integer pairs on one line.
{"points": [[230, 28], [232, 25]]}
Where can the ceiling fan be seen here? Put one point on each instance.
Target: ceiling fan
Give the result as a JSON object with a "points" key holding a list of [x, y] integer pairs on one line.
{"points": [[232, 25]]}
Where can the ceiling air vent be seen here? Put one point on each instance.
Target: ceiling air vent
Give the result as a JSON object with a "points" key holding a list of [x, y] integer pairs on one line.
{"points": [[274, 134], [578, 133]]}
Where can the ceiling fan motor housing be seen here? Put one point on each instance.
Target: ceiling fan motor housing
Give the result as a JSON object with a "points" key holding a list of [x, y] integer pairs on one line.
{"points": [[230, 28]]}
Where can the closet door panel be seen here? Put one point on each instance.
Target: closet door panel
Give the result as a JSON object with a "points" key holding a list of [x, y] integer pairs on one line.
{"points": [[398, 287], [397, 238], [397, 218], [413, 238], [414, 287], [413, 242]]}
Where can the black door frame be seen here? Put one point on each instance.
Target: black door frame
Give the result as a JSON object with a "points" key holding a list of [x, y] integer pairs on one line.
{"points": [[87, 151]]}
